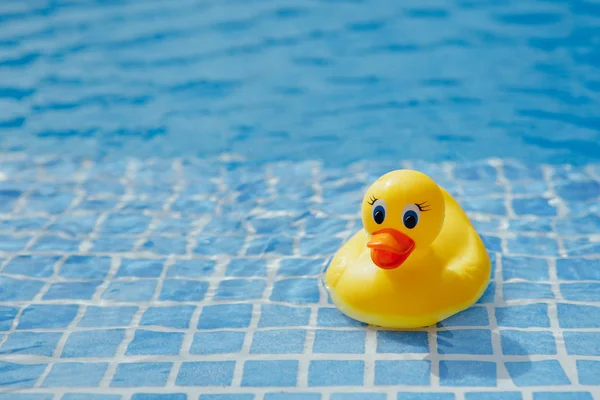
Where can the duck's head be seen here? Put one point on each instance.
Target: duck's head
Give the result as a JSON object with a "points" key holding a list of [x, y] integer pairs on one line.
{"points": [[403, 211]]}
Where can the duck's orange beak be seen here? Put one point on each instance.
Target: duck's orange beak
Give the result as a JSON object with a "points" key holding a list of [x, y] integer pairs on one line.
{"points": [[390, 248]]}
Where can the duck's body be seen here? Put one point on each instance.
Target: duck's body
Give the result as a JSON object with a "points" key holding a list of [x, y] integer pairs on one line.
{"points": [[437, 278]]}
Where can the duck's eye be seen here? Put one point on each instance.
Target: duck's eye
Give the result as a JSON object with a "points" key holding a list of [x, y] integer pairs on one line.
{"points": [[410, 216], [379, 211]]}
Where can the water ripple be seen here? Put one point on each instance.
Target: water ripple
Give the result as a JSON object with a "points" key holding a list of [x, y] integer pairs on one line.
{"points": [[462, 79]]}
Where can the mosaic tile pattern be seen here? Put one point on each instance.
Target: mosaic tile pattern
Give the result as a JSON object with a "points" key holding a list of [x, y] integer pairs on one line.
{"points": [[188, 279]]}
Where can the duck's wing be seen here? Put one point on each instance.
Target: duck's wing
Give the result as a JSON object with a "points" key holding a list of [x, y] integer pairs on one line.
{"points": [[345, 257]]}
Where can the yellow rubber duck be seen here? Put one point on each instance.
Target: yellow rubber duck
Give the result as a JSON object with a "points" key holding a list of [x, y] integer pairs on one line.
{"points": [[417, 260]]}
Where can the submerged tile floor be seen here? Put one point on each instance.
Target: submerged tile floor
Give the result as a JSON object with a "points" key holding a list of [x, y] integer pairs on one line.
{"points": [[188, 279]]}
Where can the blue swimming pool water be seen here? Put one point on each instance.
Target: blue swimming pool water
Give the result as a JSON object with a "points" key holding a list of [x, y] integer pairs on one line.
{"points": [[176, 175], [339, 80]]}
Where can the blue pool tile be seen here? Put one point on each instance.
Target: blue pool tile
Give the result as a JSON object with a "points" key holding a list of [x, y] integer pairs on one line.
{"points": [[474, 172], [527, 342], [187, 205], [538, 206], [141, 290], [281, 373], [524, 290], [113, 244], [225, 224], [331, 317], [48, 201], [533, 245], [292, 396], [493, 396], [74, 225], [578, 316], [12, 289], [588, 372], [281, 245], [402, 342], [215, 245], [103, 187], [22, 224], [13, 243], [41, 316], [219, 342], [206, 373], [72, 290], [300, 267], [7, 316], [274, 315], [357, 396], [336, 341], [578, 190], [581, 247], [269, 226], [467, 373], [165, 245], [425, 396], [335, 373], [486, 224], [141, 374], [582, 343], [324, 226], [240, 289], [177, 317], [537, 373], [589, 292], [517, 171], [474, 316], [174, 225], [183, 290], [147, 342], [562, 396], [100, 316], [484, 205], [532, 315], [537, 225], [35, 266], [97, 204], [225, 316], [528, 268], [316, 245], [33, 343], [159, 396], [85, 267], [413, 372], [296, 290], [55, 243], [191, 269], [281, 341], [240, 267], [89, 396], [578, 269], [465, 341], [96, 343], [586, 225], [13, 375], [89, 374], [141, 268], [120, 223], [241, 396]]}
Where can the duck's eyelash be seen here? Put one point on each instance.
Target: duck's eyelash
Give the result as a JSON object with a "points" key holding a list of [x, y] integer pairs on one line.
{"points": [[372, 200], [423, 206]]}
